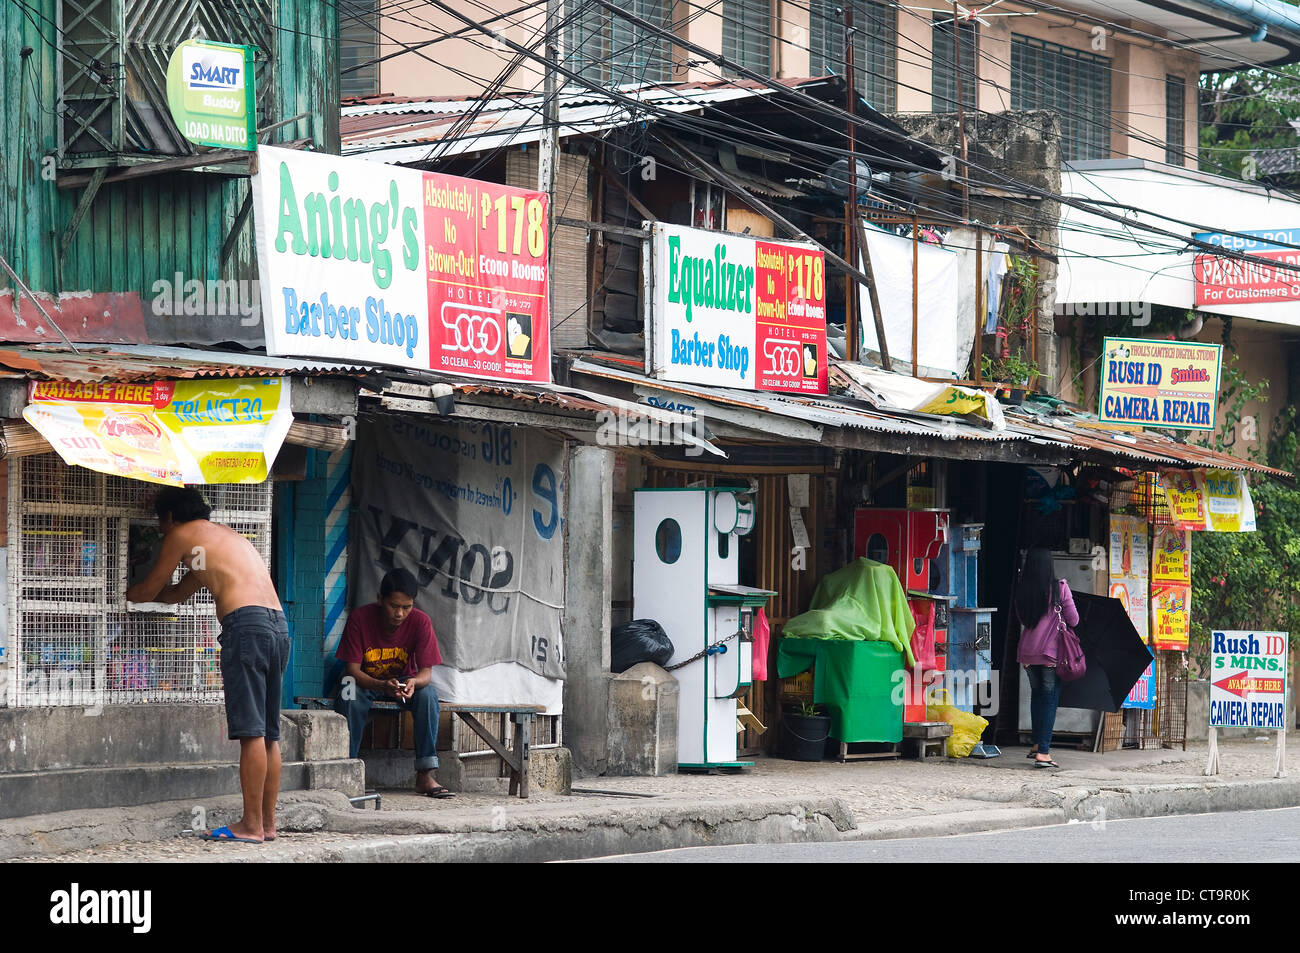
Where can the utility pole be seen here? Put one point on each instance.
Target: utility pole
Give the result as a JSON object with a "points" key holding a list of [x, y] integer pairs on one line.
{"points": [[961, 113], [851, 209], [548, 154]]}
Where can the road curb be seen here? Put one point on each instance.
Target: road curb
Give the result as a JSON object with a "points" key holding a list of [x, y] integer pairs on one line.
{"points": [[647, 829]]}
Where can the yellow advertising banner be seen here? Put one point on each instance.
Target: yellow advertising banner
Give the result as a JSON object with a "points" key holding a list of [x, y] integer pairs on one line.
{"points": [[1186, 503], [1216, 500], [171, 432], [1171, 610], [1171, 560], [1228, 503]]}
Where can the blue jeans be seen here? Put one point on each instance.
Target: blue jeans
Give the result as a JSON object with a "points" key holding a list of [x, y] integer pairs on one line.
{"points": [[1045, 692], [424, 705]]}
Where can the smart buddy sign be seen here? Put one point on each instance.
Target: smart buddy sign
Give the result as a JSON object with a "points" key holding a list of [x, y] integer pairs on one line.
{"points": [[1248, 680], [210, 93], [739, 312]]}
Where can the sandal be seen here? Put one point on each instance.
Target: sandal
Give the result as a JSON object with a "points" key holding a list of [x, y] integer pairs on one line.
{"points": [[1045, 764]]}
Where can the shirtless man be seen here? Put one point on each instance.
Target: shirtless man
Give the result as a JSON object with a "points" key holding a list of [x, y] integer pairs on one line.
{"points": [[254, 641]]}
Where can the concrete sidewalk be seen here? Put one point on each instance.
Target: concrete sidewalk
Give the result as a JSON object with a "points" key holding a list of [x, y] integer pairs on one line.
{"points": [[774, 802]]}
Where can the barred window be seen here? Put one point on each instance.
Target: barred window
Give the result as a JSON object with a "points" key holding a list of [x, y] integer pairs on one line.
{"points": [[1175, 111], [613, 50], [358, 48], [1074, 84], [746, 34], [944, 58], [875, 48]]}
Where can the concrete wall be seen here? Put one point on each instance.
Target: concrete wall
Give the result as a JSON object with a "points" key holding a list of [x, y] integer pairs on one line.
{"points": [[458, 66], [587, 608], [1026, 146], [1261, 355]]}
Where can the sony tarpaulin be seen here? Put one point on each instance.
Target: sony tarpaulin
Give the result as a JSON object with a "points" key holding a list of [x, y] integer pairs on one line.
{"points": [[475, 512]]}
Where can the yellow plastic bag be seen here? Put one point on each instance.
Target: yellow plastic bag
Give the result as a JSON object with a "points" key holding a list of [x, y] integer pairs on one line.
{"points": [[966, 728]]}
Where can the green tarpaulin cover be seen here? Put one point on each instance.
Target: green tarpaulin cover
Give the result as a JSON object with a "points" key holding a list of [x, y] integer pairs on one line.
{"points": [[864, 601]]}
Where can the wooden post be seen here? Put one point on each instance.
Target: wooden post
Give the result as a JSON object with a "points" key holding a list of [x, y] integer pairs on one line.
{"points": [[916, 304], [978, 352], [873, 296]]}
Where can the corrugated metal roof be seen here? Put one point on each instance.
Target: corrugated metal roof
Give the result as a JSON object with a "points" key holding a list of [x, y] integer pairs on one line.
{"points": [[134, 362], [406, 131], [825, 412], [1144, 448]]}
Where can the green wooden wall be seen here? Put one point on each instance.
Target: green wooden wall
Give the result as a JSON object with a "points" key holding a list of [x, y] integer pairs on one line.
{"points": [[139, 231]]}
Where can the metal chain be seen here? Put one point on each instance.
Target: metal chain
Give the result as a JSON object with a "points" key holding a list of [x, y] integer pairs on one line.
{"points": [[699, 655]]}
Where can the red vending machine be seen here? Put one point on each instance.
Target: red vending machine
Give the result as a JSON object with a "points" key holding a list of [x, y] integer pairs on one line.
{"points": [[908, 540]]}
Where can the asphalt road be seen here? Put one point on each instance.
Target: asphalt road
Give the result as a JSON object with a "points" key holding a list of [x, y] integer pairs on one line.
{"points": [[1238, 837]]}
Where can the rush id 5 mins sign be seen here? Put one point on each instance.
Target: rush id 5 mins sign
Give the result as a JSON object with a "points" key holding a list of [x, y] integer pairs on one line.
{"points": [[732, 311], [1248, 679]]}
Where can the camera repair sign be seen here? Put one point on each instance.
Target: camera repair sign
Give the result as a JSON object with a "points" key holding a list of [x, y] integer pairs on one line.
{"points": [[1248, 679]]}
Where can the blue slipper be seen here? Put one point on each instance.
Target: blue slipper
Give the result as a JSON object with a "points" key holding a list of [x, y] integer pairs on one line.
{"points": [[223, 834]]}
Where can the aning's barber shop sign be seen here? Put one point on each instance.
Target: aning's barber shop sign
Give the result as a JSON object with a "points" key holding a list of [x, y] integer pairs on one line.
{"points": [[736, 312], [372, 263]]}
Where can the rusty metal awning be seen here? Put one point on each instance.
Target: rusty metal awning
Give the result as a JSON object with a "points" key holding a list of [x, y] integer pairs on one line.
{"points": [[138, 362], [859, 422]]}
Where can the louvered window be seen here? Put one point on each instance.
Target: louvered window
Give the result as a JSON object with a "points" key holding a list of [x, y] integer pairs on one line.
{"points": [[612, 50], [358, 48], [944, 53], [1175, 130], [1073, 84], [875, 48], [747, 34], [113, 75]]}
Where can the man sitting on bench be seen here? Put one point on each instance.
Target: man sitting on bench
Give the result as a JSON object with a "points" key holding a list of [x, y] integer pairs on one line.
{"points": [[390, 650]]}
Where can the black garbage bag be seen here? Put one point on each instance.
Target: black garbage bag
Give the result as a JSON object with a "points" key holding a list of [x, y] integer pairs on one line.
{"points": [[641, 640]]}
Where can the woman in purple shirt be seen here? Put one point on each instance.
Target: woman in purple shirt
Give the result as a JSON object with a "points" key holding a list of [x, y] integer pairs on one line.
{"points": [[1039, 595]]}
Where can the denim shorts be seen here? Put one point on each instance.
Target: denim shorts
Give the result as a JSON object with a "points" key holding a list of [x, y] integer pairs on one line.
{"points": [[254, 654]]}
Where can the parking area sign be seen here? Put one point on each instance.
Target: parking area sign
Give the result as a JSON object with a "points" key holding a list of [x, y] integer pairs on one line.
{"points": [[1248, 679]]}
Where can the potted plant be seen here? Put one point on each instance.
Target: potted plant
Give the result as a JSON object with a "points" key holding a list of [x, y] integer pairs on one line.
{"points": [[1013, 369], [804, 731]]}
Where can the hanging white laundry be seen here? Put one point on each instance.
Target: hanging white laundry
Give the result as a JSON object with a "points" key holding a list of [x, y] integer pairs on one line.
{"points": [[998, 266]]}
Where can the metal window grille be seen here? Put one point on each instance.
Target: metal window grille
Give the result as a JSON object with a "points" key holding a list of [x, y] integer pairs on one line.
{"points": [[613, 50], [358, 46], [1073, 84], [746, 34], [1175, 106], [1171, 700], [875, 48], [72, 640], [112, 72], [944, 57]]}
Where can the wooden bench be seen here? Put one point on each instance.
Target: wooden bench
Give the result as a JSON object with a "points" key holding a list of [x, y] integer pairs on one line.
{"points": [[521, 715]]}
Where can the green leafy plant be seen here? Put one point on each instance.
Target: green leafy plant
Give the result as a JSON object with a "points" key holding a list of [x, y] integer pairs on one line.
{"points": [[1013, 367], [1249, 580], [809, 709]]}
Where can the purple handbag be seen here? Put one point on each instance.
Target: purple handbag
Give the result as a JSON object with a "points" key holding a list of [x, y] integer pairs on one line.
{"points": [[1070, 663]]}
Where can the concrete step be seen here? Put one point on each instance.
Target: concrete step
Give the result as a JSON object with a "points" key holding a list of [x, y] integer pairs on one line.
{"points": [[71, 789], [43, 739], [66, 759]]}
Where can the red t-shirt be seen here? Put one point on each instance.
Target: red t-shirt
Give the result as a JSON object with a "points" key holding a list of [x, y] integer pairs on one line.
{"points": [[383, 656]]}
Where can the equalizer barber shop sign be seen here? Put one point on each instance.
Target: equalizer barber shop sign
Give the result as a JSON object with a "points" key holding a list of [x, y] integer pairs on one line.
{"points": [[371, 263], [733, 311]]}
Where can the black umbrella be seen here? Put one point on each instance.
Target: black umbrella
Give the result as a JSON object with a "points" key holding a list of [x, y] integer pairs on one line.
{"points": [[1116, 654]]}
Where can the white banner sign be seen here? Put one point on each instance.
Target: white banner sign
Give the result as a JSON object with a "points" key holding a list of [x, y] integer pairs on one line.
{"points": [[739, 312]]}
